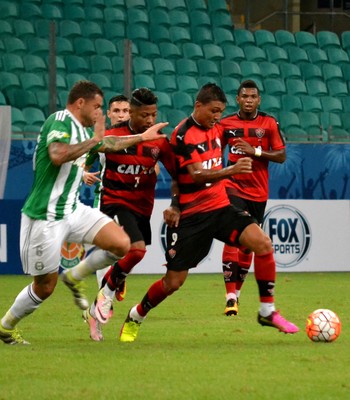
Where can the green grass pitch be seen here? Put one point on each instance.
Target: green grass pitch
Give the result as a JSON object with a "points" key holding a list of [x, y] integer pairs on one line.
{"points": [[187, 349]]}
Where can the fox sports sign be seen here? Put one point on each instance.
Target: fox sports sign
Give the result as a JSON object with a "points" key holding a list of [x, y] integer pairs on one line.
{"points": [[290, 234]]}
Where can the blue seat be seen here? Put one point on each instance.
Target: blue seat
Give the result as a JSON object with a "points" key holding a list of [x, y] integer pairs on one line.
{"points": [[316, 87], [269, 70], [254, 53], [292, 103], [231, 68], [186, 66], [306, 40], [311, 103], [332, 72], [285, 39], [327, 40], [331, 104], [244, 37], [264, 38]]}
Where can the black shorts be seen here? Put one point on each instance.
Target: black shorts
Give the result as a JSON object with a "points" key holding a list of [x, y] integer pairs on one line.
{"points": [[137, 226], [190, 242], [255, 208]]}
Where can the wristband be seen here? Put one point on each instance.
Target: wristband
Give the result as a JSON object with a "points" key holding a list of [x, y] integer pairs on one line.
{"points": [[97, 146], [257, 151], [175, 201]]}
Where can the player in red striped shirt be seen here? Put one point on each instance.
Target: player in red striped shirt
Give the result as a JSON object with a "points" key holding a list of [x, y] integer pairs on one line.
{"points": [[128, 190], [206, 214], [253, 133]]}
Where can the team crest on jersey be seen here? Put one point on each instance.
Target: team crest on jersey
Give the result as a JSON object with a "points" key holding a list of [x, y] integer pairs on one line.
{"points": [[155, 152], [260, 132], [172, 253], [71, 254]]}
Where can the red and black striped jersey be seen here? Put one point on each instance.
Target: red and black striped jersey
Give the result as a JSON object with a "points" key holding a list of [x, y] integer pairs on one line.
{"points": [[193, 144], [129, 176], [263, 132]]}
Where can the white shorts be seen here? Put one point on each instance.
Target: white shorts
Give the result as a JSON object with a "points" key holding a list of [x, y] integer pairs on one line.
{"points": [[41, 240]]}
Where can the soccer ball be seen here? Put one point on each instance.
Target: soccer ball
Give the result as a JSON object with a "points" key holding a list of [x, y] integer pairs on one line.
{"points": [[323, 326]]}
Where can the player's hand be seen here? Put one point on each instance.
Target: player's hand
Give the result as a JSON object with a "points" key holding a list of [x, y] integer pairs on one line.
{"points": [[244, 165], [172, 216], [244, 147], [152, 133], [100, 127], [91, 177]]}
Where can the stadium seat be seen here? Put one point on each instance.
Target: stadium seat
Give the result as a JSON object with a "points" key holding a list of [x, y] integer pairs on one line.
{"points": [[159, 34], [331, 104], [233, 52], [137, 33], [346, 104], [290, 71], [276, 54], [102, 65], [327, 40], [332, 73], [275, 87], [137, 16], [149, 50], [155, 4], [115, 32], [290, 126], [222, 36], [33, 116], [12, 63], [30, 12], [337, 88], [84, 47], [310, 122], [15, 45], [291, 103], [244, 37], [217, 5], [179, 35], [118, 16], [264, 38], [200, 18], [117, 83], [197, 5], [137, 4], [166, 83], [338, 56], [61, 83], [187, 84], [8, 81], [22, 98], [64, 47], [164, 101], [311, 71], [142, 66], [213, 52], [105, 47], [6, 30], [101, 80], [333, 124], [203, 80], [317, 56], [42, 101], [192, 51], [17, 119], [34, 63], [269, 70], [305, 40], [208, 68], [231, 68], [174, 117], [285, 39], [94, 14], [117, 64], [51, 12], [297, 55], [2, 99], [316, 87], [230, 85], [23, 29], [185, 66], [220, 19], [183, 101], [254, 53], [311, 103], [346, 121], [142, 80], [295, 87], [69, 29], [76, 64], [250, 70], [73, 78], [270, 104], [8, 11], [345, 40], [231, 105], [92, 30], [202, 35], [169, 51], [159, 17], [179, 18], [32, 81], [164, 67], [74, 12]]}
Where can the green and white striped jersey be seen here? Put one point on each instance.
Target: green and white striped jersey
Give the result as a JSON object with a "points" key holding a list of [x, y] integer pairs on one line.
{"points": [[55, 190]]}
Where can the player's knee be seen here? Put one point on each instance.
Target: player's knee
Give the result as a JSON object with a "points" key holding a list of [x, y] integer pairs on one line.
{"points": [[121, 247], [44, 289], [263, 245]]}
